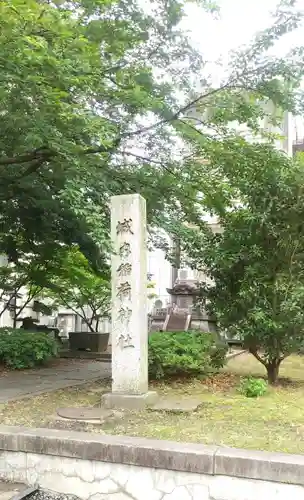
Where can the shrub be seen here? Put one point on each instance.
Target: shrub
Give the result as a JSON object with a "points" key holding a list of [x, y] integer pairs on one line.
{"points": [[22, 349], [253, 387], [301, 348], [184, 354], [218, 354]]}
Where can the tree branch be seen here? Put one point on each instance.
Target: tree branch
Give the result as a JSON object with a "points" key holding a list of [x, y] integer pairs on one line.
{"points": [[177, 114], [30, 297], [193, 128], [39, 154], [44, 154], [257, 356], [76, 311], [38, 157], [144, 158]]}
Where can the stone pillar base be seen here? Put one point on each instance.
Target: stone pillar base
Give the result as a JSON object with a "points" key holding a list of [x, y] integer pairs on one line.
{"points": [[129, 401]]}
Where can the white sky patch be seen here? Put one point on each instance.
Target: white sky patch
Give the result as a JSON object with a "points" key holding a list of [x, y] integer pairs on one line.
{"points": [[215, 37], [238, 22]]}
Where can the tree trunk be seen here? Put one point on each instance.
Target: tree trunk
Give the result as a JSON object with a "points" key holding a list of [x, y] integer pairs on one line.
{"points": [[15, 312], [273, 371], [176, 265], [89, 324]]}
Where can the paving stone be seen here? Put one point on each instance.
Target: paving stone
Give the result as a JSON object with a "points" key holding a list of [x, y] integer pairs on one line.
{"points": [[17, 385], [10, 490], [98, 390], [177, 405], [86, 414]]}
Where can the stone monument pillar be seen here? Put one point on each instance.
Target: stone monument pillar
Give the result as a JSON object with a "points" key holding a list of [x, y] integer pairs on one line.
{"points": [[129, 304]]}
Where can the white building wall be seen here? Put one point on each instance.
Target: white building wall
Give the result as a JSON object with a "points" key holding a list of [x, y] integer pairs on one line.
{"points": [[160, 269]]}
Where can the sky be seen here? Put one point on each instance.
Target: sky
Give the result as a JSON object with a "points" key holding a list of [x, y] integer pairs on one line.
{"points": [[238, 22]]}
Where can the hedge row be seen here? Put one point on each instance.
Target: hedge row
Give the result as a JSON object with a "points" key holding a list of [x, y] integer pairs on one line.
{"points": [[171, 354]]}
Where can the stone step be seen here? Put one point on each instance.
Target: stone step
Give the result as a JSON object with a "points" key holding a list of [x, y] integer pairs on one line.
{"points": [[100, 356], [15, 491], [177, 322]]}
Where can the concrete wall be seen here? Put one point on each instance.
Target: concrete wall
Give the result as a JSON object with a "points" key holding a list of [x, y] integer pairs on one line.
{"points": [[95, 467]]}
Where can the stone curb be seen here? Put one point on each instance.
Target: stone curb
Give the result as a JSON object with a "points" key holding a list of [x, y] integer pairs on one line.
{"points": [[184, 457], [235, 354]]}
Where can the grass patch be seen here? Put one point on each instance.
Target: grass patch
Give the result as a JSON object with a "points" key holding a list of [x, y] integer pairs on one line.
{"points": [[273, 422]]}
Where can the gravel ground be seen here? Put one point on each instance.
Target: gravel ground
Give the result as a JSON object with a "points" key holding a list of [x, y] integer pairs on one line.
{"points": [[50, 495]]}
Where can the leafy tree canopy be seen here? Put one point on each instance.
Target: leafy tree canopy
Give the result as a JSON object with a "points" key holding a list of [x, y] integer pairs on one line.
{"points": [[74, 284], [32, 273], [102, 97], [256, 260], [76, 77]]}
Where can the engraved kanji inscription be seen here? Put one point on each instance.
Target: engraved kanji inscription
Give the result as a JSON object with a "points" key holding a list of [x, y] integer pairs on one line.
{"points": [[124, 291], [125, 340], [124, 314], [124, 250], [124, 226], [124, 269]]}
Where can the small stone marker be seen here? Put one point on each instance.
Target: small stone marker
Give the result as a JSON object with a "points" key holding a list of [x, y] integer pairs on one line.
{"points": [[177, 405], [129, 305], [85, 414]]}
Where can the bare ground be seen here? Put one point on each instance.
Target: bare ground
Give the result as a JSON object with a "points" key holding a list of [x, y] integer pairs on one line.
{"points": [[273, 422]]}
